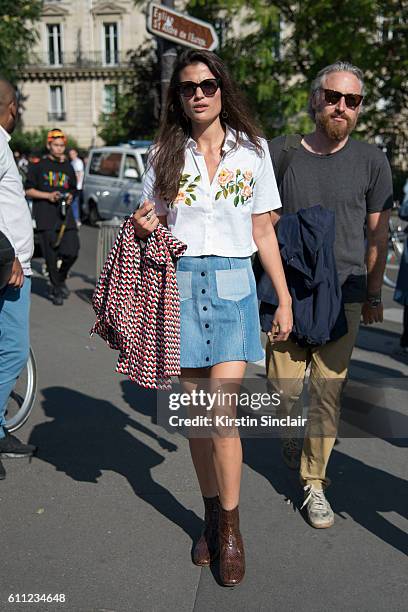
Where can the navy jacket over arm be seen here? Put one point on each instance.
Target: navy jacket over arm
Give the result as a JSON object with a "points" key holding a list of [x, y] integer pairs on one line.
{"points": [[306, 242]]}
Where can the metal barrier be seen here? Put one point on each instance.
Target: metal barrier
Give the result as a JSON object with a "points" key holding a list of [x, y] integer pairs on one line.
{"points": [[108, 231]]}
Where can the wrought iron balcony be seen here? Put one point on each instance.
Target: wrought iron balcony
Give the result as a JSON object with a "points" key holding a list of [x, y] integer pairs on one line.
{"points": [[77, 59]]}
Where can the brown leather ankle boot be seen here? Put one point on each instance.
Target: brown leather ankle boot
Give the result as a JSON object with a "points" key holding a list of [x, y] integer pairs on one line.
{"points": [[232, 556], [206, 549]]}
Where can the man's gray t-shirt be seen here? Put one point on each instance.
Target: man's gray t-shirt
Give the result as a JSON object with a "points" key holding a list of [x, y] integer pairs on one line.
{"points": [[353, 182]]}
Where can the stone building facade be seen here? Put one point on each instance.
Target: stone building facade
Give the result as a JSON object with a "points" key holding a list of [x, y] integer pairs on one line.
{"points": [[73, 71]]}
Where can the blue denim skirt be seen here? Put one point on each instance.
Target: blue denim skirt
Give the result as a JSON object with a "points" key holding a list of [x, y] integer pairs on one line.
{"points": [[219, 311]]}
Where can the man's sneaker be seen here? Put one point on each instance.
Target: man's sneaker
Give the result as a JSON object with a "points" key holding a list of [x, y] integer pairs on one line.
{"points": [[10, 446], [319, 513], [57, 298], [2, 471], [291, 452], [65, 291]]}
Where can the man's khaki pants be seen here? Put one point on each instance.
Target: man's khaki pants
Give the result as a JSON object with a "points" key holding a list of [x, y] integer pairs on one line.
{"points": [[286, 364]]}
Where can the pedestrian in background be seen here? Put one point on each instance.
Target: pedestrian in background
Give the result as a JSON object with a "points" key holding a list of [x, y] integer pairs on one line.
{"points": [[16, 225], [353, 179], [210, 180], [78, 166], [401, 290], [51, 184]]}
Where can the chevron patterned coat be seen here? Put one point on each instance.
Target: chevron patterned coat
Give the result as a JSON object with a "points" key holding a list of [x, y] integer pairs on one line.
{"points": [[137, 305]]}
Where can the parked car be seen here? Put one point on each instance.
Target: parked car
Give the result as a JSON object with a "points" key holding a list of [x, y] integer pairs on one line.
{"points": [[113, 181]]}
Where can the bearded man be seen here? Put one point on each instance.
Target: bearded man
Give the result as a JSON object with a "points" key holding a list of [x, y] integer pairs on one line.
{"points": [[353, 179]]}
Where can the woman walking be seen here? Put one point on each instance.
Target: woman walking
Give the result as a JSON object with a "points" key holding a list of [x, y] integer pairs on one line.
{"points": [[210, 180]]}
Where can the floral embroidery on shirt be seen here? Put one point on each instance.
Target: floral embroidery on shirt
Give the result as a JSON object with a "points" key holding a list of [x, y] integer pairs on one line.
{"points": [[186, 193], [240, 184]]}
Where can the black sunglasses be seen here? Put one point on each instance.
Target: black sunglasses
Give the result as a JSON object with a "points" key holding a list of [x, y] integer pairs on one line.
{"points": [[209, 87], [332, 96]]}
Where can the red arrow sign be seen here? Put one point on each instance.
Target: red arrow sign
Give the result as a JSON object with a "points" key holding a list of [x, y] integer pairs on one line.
{"points": [[181, 29]]}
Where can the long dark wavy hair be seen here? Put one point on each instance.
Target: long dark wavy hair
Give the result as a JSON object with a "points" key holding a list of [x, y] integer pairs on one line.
{"points": [[175, 127]]}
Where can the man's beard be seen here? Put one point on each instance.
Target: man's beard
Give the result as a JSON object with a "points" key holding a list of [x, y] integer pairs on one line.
{"points": [[335, 131]]}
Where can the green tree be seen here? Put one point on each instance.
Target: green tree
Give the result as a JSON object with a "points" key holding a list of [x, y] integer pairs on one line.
{"points": [[35, 141], [283, 44], [17, 34], [278, 48], [137, 107]]}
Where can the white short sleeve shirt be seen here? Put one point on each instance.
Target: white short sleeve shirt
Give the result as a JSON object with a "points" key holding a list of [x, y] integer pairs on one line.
{"points": [[78, 166], [15, 217], [216, 218]]}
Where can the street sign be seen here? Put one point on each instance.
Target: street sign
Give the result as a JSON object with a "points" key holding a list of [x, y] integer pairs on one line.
{"points": [[180, 28]]}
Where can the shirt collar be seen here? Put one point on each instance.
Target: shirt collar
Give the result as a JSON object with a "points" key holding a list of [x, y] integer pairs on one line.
{"points": [[229, 142], [6, 134]]}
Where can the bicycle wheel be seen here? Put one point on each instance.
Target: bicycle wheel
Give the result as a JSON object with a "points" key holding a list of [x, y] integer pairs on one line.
{"points": [[391, 264], [395, 251], [22, 397]]}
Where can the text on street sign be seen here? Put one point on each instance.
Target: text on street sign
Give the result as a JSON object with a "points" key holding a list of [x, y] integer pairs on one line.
{"points": [[181, 29]]}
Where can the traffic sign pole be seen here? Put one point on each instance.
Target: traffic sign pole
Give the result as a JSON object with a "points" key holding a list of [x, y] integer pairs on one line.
{"points": [[168, 57]]}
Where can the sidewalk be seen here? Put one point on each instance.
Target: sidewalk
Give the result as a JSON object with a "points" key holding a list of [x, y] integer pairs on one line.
{"points": [[108, 511]]}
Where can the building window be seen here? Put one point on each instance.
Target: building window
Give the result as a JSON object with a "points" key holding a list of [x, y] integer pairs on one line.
{"points": [[54, 44], [57, 106], [110, 96], [111, 56]]}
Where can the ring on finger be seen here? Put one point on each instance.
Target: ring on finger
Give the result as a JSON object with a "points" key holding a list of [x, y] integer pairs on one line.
{"points": [[148, 216]]}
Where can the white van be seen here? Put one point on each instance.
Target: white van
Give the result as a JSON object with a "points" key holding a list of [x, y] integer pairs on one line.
{"points": [[113, 181]]}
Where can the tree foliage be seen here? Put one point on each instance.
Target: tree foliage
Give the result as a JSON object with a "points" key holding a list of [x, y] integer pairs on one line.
{"points": [[280, 45], [17, 34], [35, 141], [138, 105], [283, 44]]}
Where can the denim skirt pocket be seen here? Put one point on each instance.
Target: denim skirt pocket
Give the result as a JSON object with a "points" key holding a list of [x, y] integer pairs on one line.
{"points": [[184, 282], [232, 284]]}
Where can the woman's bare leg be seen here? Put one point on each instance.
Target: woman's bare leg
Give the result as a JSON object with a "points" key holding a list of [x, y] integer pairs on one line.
{"points": [[218, 460], [201, 449], [227, 448]]}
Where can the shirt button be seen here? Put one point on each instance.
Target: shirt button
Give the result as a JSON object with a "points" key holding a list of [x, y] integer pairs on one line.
{"points": [[208, 342], [205, 308], [207, 325], [207, 359], [202, 290], [202, 273]]}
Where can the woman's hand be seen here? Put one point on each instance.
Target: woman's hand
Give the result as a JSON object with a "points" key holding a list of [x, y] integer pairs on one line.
{"points": [[145, 220], [282, 324]]}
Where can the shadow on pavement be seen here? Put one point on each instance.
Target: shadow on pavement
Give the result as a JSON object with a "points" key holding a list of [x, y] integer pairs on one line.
{"points": [[381, 341], [39, 286], [372, 370], [364, 492], [90, 280], [375, 406], [360, 490], [139, 399], [88, 435], [85, 295]]}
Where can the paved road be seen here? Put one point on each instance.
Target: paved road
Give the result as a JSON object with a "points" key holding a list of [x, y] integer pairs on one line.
{"points": [[107, 512]]}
